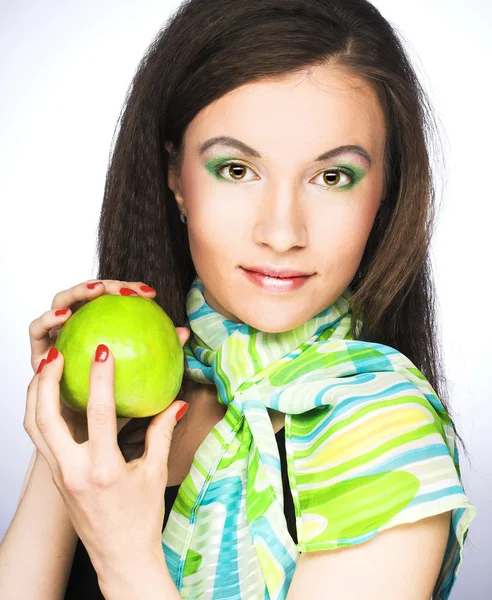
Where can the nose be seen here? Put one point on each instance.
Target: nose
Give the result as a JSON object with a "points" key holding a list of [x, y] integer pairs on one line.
{"points": [[281, 222]]}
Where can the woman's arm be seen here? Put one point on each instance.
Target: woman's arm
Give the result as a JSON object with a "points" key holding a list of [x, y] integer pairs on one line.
{"points": [[30, 467], [37, 551], [150, 580], [401, 562]]}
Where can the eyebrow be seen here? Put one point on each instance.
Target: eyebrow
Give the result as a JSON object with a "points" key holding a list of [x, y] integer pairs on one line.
{"points": [[234, 143]]}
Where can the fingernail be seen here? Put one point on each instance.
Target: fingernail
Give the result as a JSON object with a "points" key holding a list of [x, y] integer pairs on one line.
{"points": [[41, 365], [62, 311], [146, 288], [128, 292], [52, 354], [101, 353], [182, 411], [91, 286]]}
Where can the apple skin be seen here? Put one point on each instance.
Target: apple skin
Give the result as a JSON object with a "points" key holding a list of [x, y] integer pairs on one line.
{"points": [[148, 356]]}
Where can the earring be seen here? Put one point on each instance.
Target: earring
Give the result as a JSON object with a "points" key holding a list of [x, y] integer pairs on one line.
{"points": [[183, 217]]}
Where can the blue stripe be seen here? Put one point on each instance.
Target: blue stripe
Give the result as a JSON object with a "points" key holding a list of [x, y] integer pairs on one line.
{"points": [[408, 457], [423, 498], [335, 413]]}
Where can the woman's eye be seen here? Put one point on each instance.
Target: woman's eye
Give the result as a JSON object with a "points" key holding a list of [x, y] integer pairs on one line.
{"points": [[234, 170], [332, 178], [335, 178]]}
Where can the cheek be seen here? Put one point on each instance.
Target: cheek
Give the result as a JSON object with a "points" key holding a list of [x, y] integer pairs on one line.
{"points": [[342, 241], [211, 234], [214, 223]]}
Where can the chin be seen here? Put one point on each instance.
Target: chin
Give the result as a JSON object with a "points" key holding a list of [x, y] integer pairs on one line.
{"points": [[275, 323]]}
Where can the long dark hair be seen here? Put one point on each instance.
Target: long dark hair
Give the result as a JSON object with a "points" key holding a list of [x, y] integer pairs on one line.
{"points": [[206, 49]]}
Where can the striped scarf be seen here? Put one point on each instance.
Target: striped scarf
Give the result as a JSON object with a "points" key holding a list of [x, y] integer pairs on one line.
{"points": [[368, 446]]}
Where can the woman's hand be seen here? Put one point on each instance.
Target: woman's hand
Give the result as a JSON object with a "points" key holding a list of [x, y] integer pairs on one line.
{"points": [[117, 508], [44, 330]]}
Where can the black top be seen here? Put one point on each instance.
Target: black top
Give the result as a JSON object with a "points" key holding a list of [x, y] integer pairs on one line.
{"points": [[83, 584]]}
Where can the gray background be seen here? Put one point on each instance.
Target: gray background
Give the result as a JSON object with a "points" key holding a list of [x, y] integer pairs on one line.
{"points": [[64, 72]]}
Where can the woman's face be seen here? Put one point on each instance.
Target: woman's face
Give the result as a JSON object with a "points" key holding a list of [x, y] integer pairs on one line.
{"points": [[280, 205]]}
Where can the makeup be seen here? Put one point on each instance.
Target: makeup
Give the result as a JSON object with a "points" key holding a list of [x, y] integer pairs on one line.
{"points": [[348, 170], [275, 285], [348, 173], [215, 165]]}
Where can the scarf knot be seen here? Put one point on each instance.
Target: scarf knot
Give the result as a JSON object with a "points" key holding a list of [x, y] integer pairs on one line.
{"points": [[235, 356]]}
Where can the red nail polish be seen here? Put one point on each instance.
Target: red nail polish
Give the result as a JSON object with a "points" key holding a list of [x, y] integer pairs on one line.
{"points": [[128, 292], [62, 311], [41, 365], [101, 353], [52, 355], [91, 286], [182, 411], [146, 288]]}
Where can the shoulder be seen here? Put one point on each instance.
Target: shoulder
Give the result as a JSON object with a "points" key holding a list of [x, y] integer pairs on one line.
{"points": [[374, 458], [392, 565]]}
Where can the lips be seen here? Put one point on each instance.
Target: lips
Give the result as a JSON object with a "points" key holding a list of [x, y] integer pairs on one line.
{"points": [[277, 272], [273, 284]]}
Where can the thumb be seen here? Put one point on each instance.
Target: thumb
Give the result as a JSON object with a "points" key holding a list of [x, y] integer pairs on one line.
{"points": [[160, 433]]}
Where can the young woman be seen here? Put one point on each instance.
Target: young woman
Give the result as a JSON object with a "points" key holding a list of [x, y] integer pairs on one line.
{"points": [[271, 181]]}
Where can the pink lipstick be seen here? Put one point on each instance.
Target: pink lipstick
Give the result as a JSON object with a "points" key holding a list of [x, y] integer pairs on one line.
{"points": [[276, 285]]}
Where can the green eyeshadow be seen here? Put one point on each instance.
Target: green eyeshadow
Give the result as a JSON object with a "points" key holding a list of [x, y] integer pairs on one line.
{"points": [[355, 172]]}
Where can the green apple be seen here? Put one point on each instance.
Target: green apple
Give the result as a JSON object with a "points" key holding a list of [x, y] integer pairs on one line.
{"points": [[148, 356]]}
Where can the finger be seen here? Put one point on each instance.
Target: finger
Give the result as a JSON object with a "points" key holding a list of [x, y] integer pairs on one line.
{"points": [[126, 288], [41, 333], [44, 330], [79, 294], [183, 334], [101, 409], [30, 421], [159, 436], [136, 287], [146, 290], [49, 421]]}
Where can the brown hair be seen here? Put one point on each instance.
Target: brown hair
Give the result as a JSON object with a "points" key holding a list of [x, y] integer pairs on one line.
{"points": [[206, 49]]}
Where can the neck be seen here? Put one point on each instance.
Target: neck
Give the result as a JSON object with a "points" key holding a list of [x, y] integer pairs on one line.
{"points": [[204, 404]]}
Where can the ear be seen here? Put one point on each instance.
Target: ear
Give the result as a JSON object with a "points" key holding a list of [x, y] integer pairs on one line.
{"points": [[170, 171], [177, 193], [172, 180]]}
